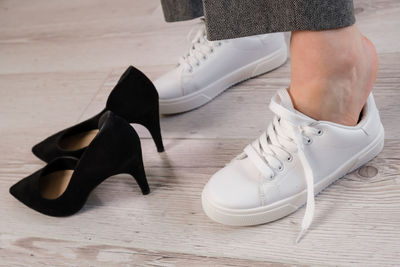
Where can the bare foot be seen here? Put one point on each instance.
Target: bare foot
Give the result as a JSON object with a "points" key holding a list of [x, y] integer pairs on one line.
{"points": [[332, 73]]}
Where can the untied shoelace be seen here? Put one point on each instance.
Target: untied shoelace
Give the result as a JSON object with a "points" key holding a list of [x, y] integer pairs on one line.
{"points": [[285, 135]]}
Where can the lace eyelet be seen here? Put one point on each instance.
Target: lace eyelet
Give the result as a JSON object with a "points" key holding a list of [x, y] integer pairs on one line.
{"points": [[280, 168], [204, 57], [212, 50], [320, 132], [309, 141], [198, 64], [219, 43], [290, 158], [191, 70]]}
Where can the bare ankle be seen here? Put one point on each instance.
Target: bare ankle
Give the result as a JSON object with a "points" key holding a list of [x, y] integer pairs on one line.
{"points": [[333, 73]]}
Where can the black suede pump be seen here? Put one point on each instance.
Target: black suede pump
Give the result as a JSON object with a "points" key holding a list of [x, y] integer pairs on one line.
{"points": [[134, 98], [62, 187]]}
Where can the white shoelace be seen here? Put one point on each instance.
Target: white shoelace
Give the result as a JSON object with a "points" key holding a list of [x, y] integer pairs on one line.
{"points": [[199, 50], [288, 133]]}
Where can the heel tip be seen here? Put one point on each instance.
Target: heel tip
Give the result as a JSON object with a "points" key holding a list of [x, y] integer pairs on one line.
{"points": [[146, 192], [161, 149]]}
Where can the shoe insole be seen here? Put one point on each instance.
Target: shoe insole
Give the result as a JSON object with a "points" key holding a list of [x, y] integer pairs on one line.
{"points": [[78, 141], [54, 184]]}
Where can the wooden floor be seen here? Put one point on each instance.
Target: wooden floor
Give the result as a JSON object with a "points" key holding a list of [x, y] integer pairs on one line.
{"points": [[58, 62]]}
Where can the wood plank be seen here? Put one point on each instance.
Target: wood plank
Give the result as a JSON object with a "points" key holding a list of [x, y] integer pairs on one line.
{"points": [[97, 35], [60, 59], [359, 212], [53, 252]]}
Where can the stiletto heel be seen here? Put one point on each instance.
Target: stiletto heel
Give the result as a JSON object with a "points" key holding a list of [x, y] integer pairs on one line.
{"points": [[152, 123], [140, 176], [133, 98], [62, 186], [136, 169]]}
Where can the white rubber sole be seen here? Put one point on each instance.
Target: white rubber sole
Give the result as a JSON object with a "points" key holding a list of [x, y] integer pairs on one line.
{"points": [[284, 207], [205, 95]]}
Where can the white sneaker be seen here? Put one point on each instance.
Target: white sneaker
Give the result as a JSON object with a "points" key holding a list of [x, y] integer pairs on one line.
{"points": [[295, 159], [209, 68]]}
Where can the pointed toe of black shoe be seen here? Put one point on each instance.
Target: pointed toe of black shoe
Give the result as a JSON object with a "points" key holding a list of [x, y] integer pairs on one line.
{"points": [[36, 193], [20, 190], [46, 150], [25, 190], [14, 191], [37, 151], [134, 98], [57, 145]]}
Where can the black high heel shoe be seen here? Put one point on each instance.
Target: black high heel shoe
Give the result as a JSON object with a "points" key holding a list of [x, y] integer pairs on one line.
{"points": [[62, 187], [134, 98]]}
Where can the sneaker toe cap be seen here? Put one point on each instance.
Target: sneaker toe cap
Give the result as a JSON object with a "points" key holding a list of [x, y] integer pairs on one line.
{"points": [[169, 86], [233, 188]]}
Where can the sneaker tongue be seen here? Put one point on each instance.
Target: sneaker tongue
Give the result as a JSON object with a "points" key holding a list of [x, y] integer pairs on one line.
{"points": [[286, 101]]}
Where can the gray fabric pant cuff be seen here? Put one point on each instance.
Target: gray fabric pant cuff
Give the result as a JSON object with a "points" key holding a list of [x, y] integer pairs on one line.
{"points": [[226, 19], [178, 10]]}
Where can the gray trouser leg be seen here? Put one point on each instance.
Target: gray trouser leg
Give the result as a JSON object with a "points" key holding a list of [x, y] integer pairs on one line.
{"points": [[227, 19], [177, 10]]}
